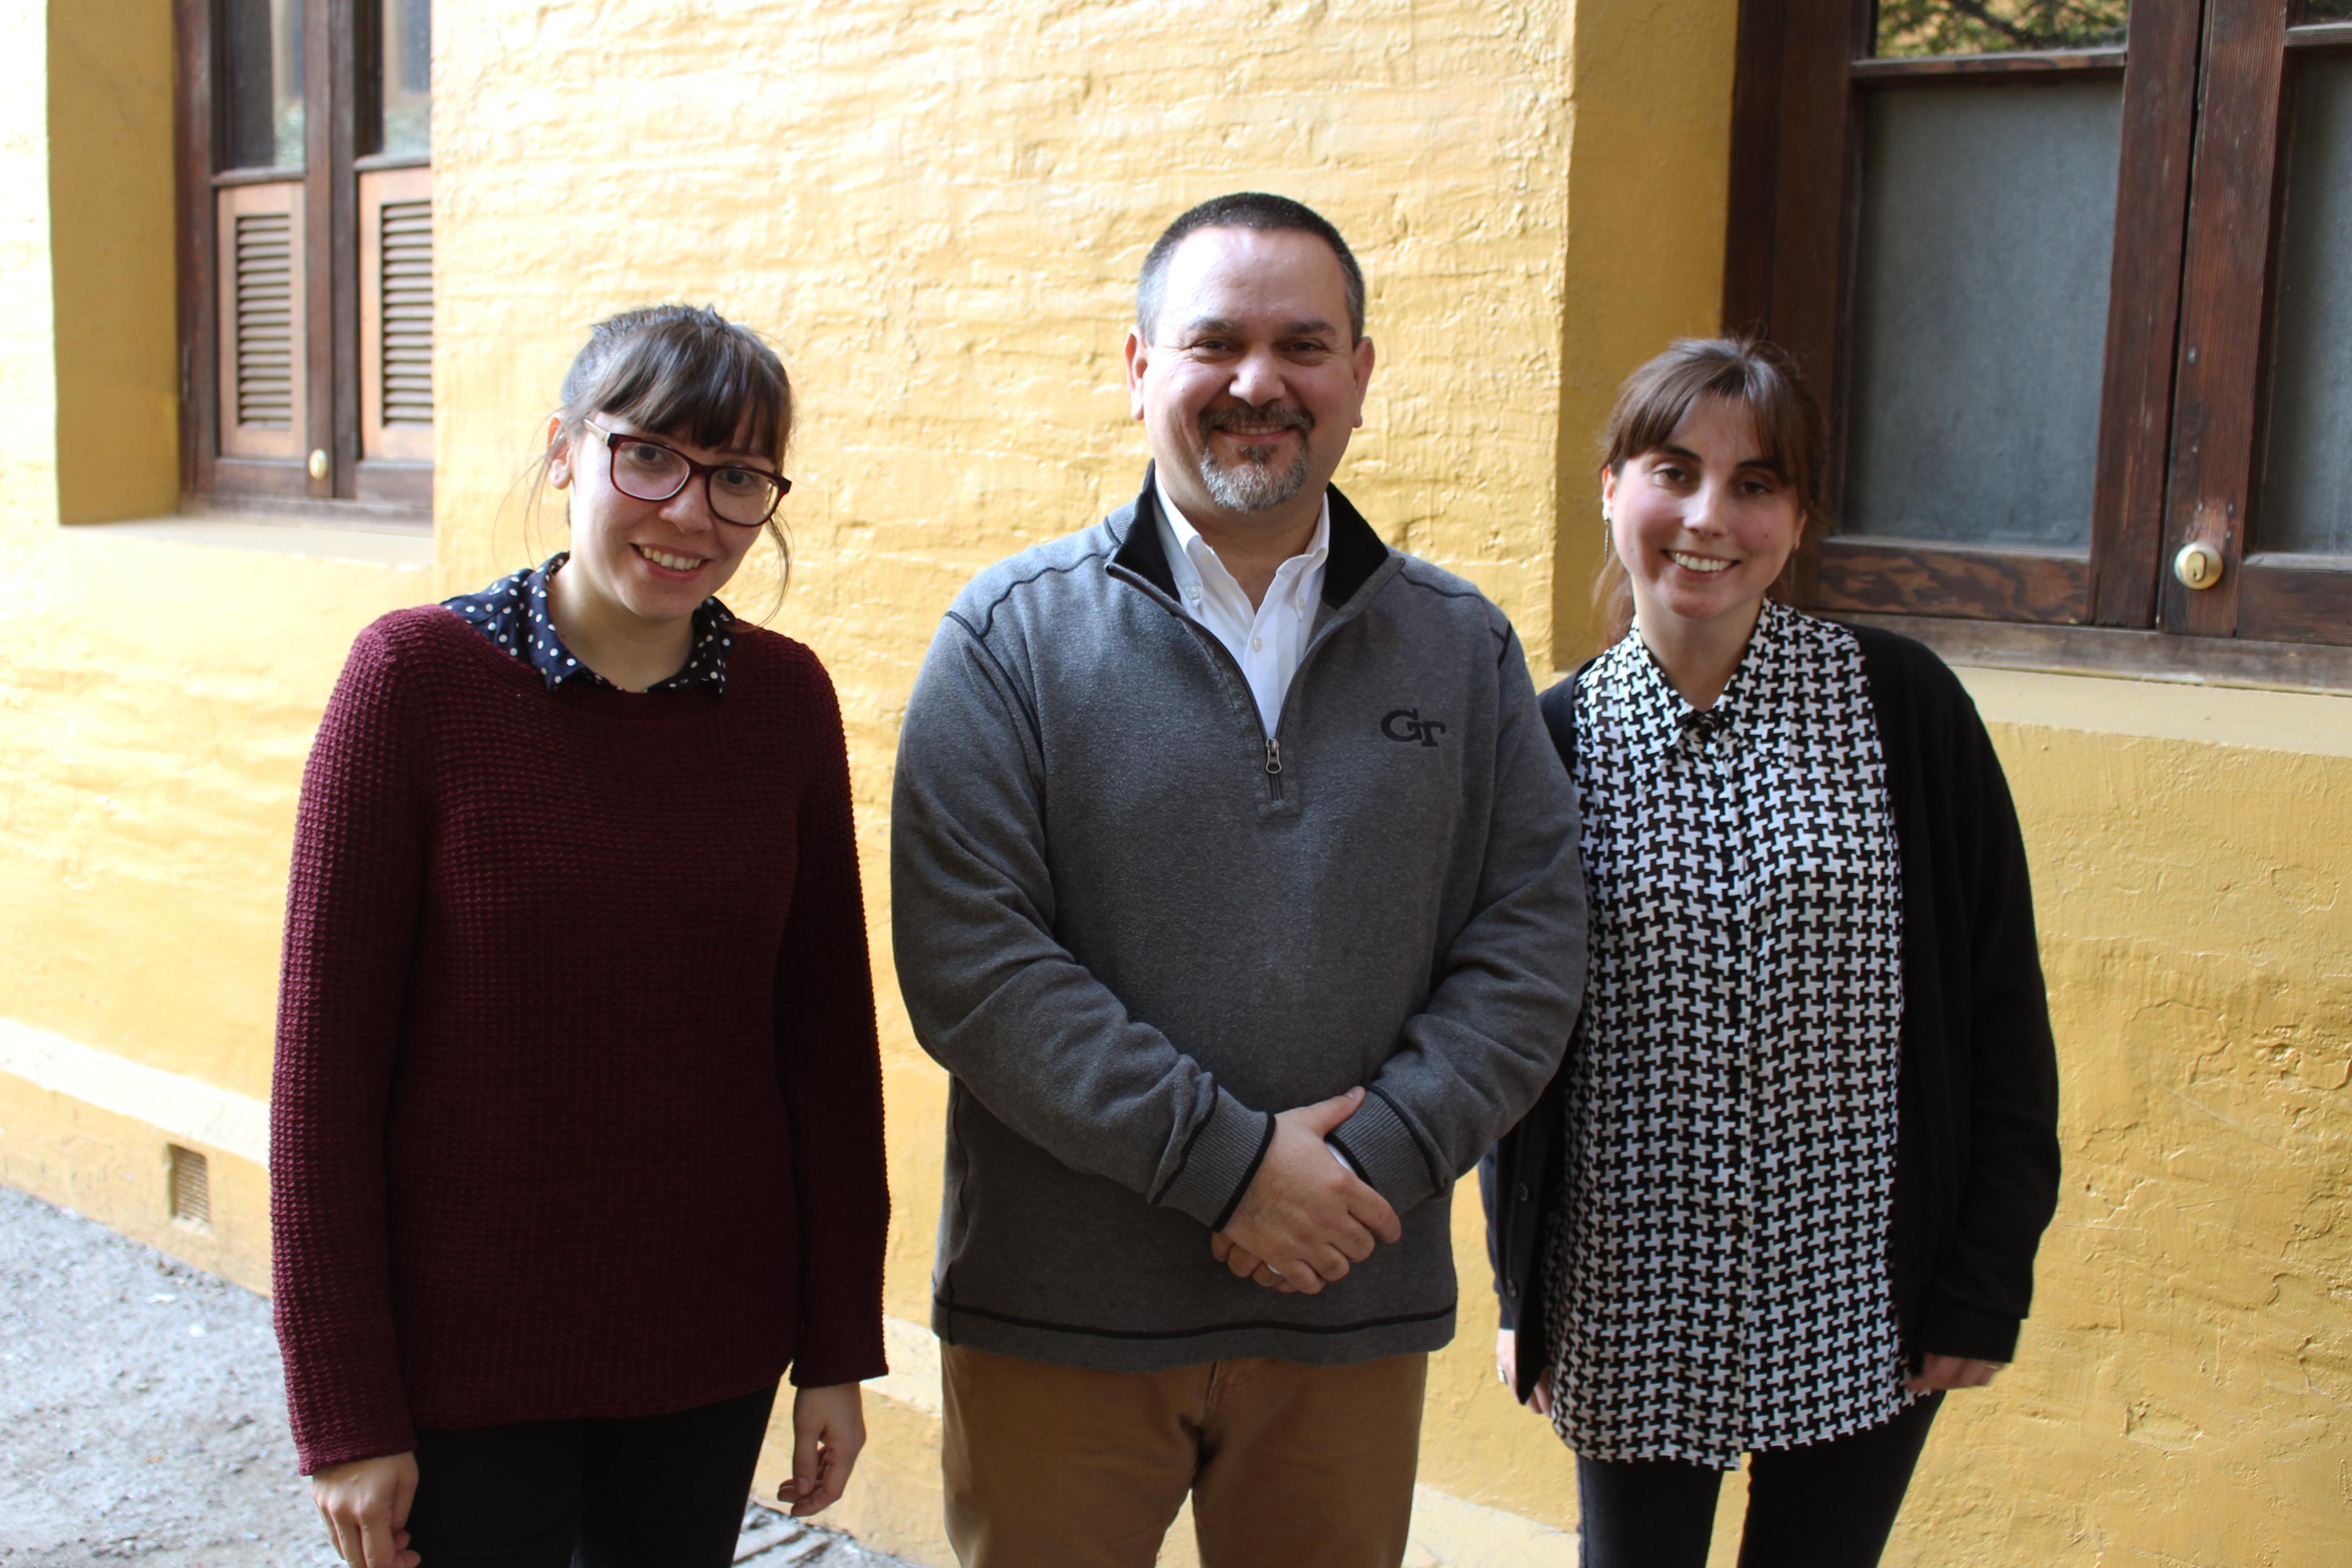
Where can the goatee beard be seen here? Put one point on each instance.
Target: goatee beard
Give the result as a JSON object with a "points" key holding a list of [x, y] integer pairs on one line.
{"points": [[1252, 484]]}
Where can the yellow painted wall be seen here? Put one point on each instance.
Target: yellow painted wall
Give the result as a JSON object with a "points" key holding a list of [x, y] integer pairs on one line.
{"points": [[156, 700], [936, 210], [2184, 1389], [110, 214], [1651, 122]]}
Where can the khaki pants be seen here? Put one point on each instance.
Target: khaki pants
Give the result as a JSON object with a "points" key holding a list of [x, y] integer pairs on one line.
{"points": [[1058, 1467]]}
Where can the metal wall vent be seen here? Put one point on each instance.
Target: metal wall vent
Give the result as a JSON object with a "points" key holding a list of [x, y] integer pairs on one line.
{"points": [[192, 1188]]}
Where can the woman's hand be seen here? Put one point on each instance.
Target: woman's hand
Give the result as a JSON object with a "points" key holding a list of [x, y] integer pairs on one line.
{"points": [[828, 1430], [1507, 1361], [1939, 1373], [365, 1505]]}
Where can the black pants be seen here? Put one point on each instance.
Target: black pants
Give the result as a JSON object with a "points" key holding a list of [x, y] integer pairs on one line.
{"points": [[647, 1491], [1825, 1505]]}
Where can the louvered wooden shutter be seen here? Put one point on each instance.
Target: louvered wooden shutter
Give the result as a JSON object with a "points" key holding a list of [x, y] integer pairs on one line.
{"points": [[263, 344], [396, 315]]}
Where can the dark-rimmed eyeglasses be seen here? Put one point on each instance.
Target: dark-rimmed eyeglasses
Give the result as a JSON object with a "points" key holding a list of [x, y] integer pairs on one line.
{"points": [[647, 470]]}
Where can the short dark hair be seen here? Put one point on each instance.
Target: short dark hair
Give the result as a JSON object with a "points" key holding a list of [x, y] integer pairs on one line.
{"points": [[1751, 373], [1244, 209]]}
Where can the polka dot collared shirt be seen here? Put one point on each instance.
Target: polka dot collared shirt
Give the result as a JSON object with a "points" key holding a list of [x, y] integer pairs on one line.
{"points": [[512, 613]]}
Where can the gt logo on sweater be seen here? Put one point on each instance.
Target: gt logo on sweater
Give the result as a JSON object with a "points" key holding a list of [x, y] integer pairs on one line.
{"points": [[1407, 724]]}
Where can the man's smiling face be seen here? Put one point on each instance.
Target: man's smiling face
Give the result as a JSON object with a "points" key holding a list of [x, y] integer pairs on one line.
{"points": [[1253, 379]]}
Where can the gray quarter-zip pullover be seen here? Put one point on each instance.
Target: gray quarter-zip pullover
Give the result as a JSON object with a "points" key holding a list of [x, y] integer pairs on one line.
{"points": [[1133, 925]]}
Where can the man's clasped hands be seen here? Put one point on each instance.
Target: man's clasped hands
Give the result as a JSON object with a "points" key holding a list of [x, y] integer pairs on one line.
{"points": [[1307, 1218]]}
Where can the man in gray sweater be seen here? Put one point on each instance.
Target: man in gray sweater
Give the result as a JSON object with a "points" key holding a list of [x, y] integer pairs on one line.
{"points": [[1236, 884]]}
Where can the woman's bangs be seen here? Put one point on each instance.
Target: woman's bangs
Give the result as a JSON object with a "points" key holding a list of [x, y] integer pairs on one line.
{"points": [[713, 393], [1785, 436]]}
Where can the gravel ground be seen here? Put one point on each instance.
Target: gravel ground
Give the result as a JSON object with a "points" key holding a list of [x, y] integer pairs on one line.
{"points": [[142, 1417]]}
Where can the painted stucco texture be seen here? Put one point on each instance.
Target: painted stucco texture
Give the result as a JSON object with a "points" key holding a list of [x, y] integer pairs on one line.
{"points": [[935, 210]]}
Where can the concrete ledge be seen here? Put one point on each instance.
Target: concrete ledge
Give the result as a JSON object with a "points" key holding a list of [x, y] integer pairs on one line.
{"points": [[188, 1109], [2304, 724], [117, 1169], [406, 548], [2300, 723]]}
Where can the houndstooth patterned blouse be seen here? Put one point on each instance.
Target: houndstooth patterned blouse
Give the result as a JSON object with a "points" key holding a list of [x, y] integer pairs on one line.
{"points": [[1719, 1266]]}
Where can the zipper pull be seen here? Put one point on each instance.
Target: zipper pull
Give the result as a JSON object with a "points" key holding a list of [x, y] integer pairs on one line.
{"points": [[1273, 755]]}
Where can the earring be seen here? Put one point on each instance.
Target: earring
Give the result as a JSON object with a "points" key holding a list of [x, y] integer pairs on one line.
{"points": [[1608, 513]]}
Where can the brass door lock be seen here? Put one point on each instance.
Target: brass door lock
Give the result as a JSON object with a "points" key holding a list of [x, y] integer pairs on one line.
{"points": [[2198, 565]]}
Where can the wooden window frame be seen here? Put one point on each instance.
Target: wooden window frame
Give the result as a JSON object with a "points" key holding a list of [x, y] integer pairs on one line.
{"points": [[2180, 425], [2221, 414], [358, 483]]}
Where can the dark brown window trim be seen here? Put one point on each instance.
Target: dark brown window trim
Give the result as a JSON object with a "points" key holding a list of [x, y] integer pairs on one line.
{"points": [[2043, 63], [2143, 313], [1896, 576], [2118, 653], [2224, 307], [375, 161], [2295, 598], [227, 177]]}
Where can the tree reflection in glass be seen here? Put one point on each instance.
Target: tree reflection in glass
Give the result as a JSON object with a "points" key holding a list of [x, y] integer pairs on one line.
{"points": [[1908, 28]]}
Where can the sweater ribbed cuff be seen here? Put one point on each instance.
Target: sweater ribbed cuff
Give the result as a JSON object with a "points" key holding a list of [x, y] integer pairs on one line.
{"points": [[346, 1442], [1384, 1149], [1218, 1166], [836, 1369]]}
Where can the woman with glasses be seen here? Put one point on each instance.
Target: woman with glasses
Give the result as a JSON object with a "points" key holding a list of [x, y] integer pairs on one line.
{"points": [[1787, 1188], [576, 1127]]}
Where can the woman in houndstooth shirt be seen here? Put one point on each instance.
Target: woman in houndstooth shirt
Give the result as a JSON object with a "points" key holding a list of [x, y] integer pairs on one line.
{"points": [[1787, 1188]]}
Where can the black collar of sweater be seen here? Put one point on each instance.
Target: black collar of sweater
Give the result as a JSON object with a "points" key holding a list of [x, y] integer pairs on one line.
{"points": [[1356, 552]]}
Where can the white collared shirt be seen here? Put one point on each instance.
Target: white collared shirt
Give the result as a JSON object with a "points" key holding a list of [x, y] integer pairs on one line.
{"points": [[1267, 639]]}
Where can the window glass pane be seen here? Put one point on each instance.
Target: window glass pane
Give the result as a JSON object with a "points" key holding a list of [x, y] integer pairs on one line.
{"points": [[1980, 319], [2307, 12], [1999, 27], [261, 54], [2307, 495], [405, 57]]}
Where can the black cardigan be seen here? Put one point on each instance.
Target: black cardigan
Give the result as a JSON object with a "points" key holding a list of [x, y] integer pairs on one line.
{"points": [[1976, 1169]]}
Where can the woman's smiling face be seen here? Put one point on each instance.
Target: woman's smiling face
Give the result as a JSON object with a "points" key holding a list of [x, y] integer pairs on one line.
{"points": [[1703, 522], [656, 561]]}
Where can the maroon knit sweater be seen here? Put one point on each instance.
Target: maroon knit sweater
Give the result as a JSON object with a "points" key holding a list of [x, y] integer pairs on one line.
{"points": [[577, 1108]]}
